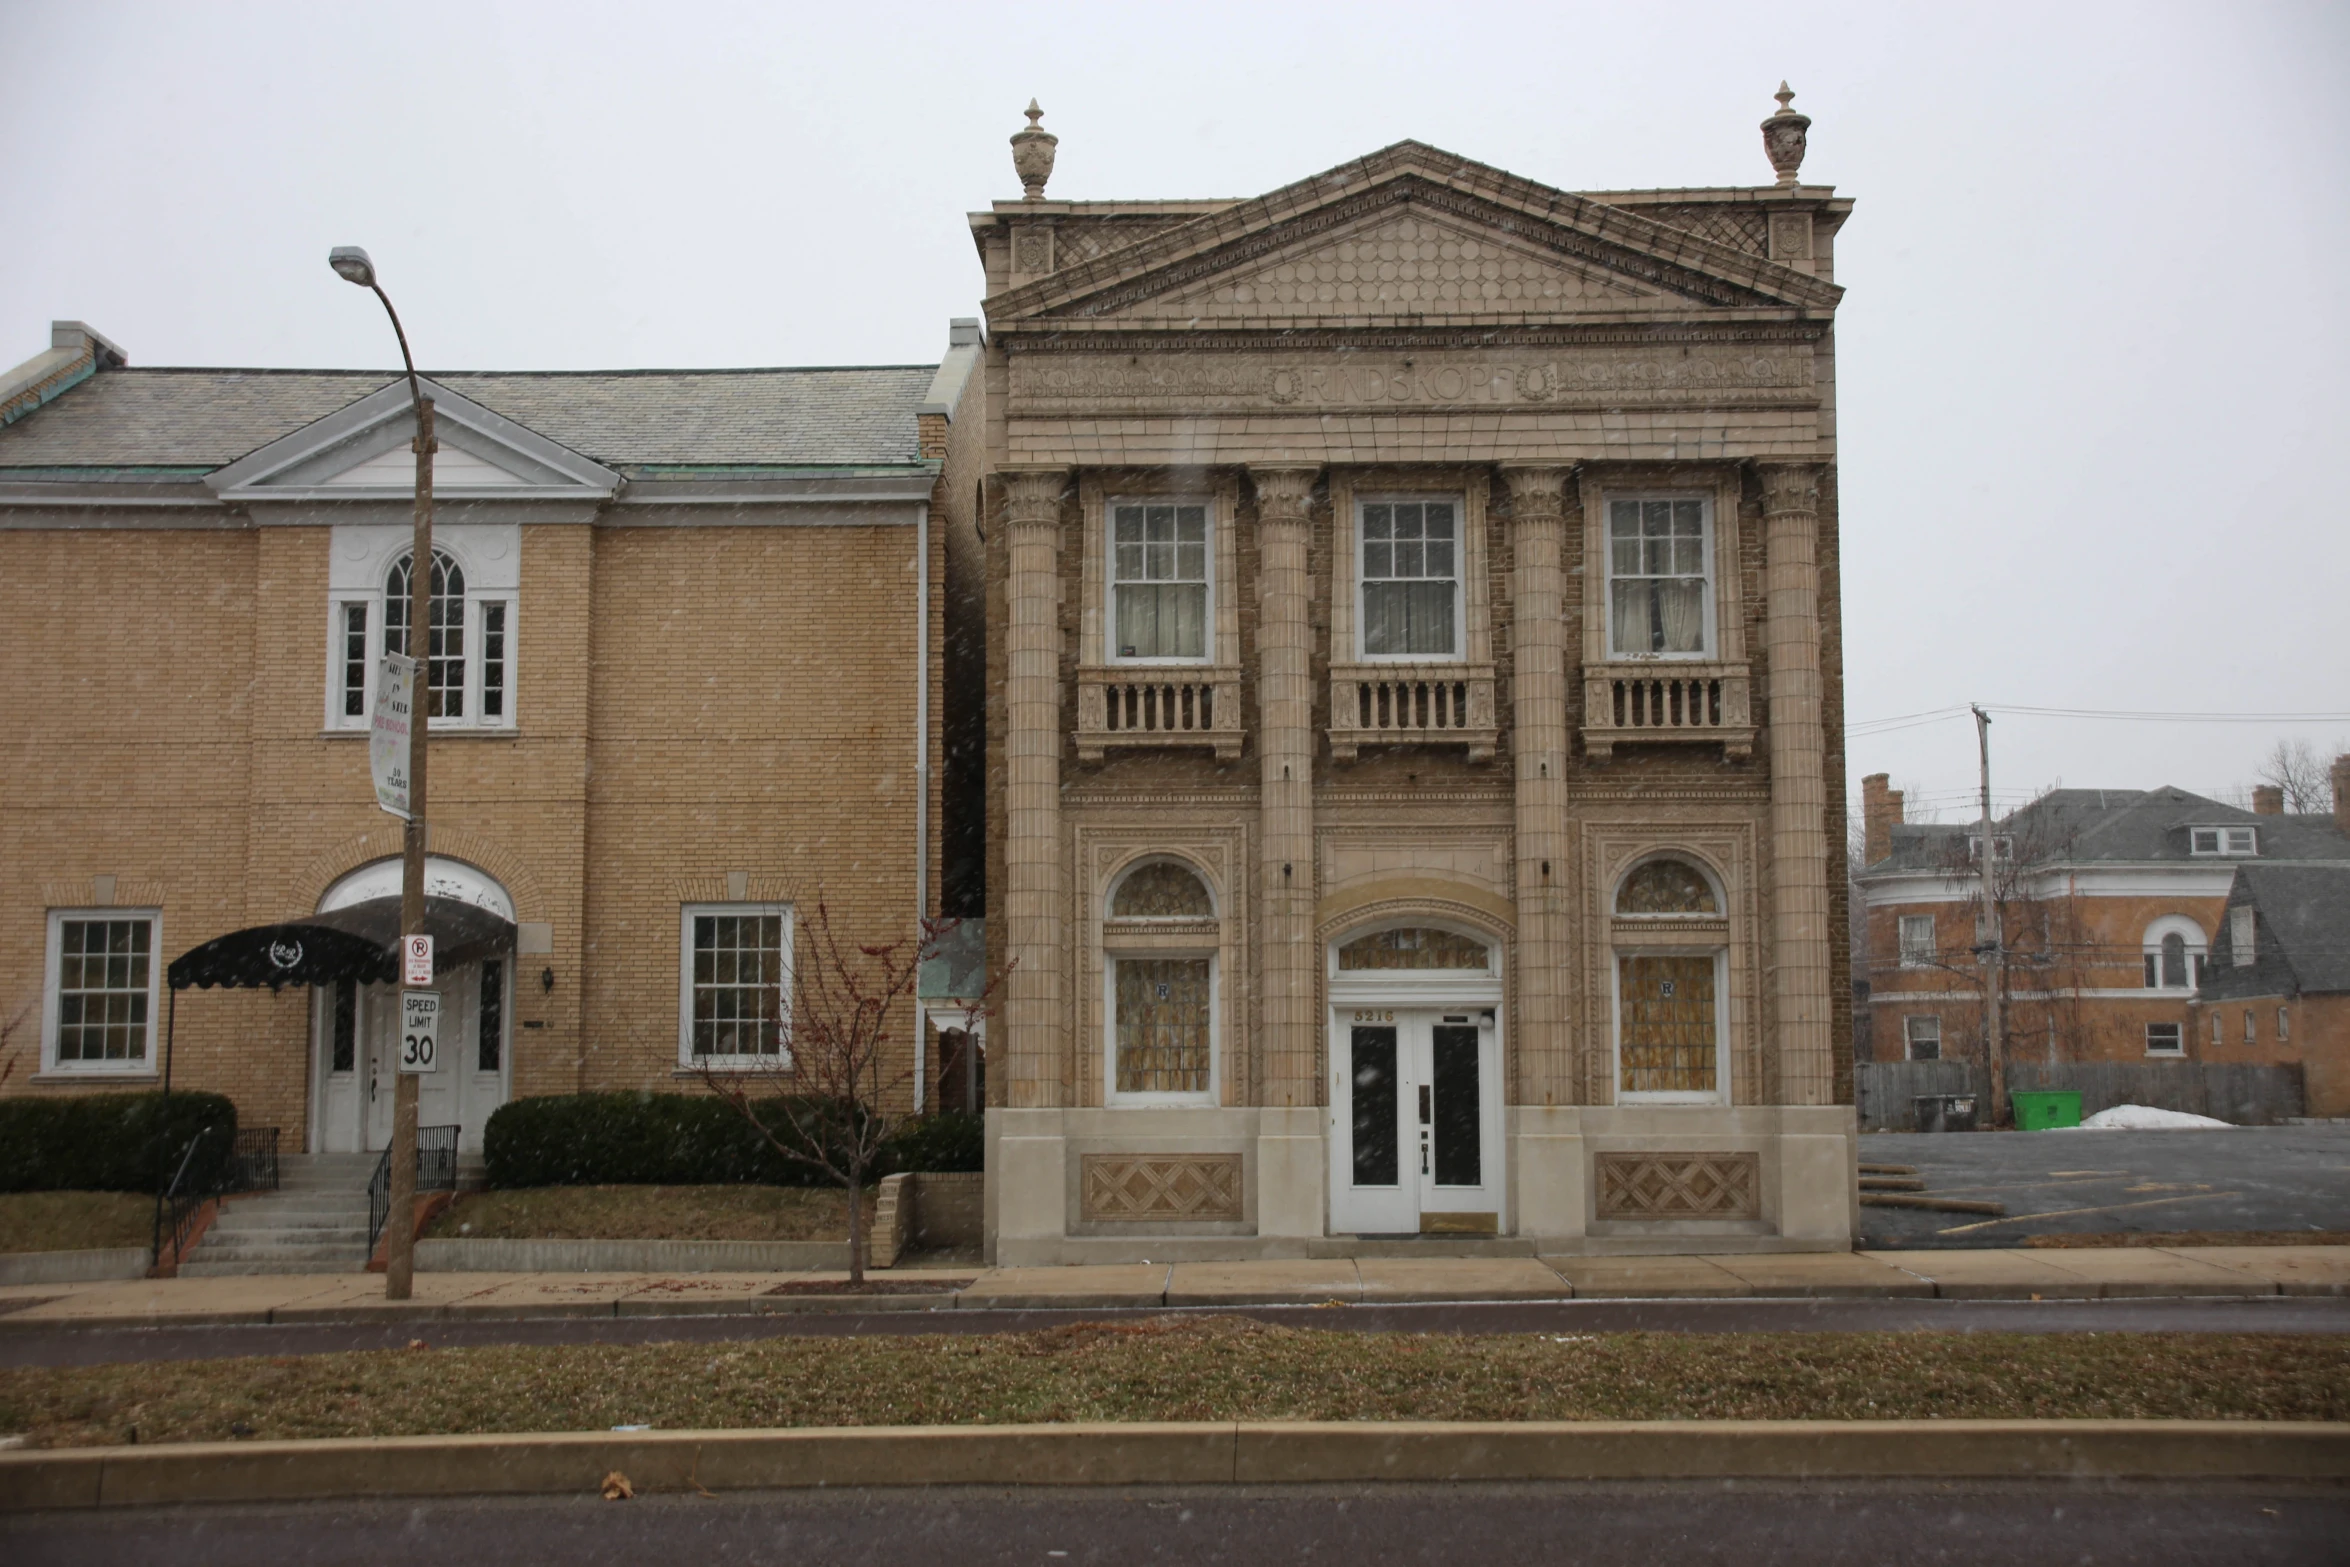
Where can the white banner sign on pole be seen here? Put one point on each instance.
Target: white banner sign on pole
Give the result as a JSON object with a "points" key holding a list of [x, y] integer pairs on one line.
{"points": [[420, 1026], [416, 960], [387, 744]]}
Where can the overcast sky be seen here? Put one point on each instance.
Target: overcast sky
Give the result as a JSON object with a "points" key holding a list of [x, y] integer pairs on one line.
{"points": [[2092, 357]]}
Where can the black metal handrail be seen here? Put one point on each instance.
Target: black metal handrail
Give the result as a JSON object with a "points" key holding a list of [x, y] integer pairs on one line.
{"points": [[250, 1167], [436, 1171]]}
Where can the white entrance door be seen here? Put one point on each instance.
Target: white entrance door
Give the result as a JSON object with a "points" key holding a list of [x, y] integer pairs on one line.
{"points": [[379, 1012], [468, 1079], [1415, 1098]]}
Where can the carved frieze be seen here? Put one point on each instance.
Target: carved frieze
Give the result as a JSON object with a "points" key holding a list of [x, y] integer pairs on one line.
{"points": [[1093, 384], [1680, 1186]]}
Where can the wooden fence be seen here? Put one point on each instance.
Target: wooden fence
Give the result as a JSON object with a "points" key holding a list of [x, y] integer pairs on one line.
{"points": [[2248, 1095]]}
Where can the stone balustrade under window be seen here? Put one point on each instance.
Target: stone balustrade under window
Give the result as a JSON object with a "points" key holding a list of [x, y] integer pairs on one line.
{"points": [[1138, 707], [1412, 704], [1664, 703]]}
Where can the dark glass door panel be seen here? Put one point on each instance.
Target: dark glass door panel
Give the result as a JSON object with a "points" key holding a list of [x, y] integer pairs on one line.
{"points": [[1457, 1122], [1373, 1064]]}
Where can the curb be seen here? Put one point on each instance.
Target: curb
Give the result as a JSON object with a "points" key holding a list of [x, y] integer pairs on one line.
{"points": [[1205, 1453]]}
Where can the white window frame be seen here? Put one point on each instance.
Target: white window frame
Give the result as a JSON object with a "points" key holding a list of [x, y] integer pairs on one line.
{"points": [[1615, 985], [1213, 1094], [2178, 1034], [1909, 1040], [1912, 955], [477, 600], [1710, 616], [2227, 842], [2002, 848], [52, 1000], [1208, 625], [1460, 577], [687, 1061], [2198, 953]]}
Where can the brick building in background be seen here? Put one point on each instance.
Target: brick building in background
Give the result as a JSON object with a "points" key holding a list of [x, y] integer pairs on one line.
{"points": [[2118, 907], [695, 636], [1415, 774]]}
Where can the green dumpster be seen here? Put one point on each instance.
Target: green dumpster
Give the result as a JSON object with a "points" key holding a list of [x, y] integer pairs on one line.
{"points": [[2044, 1109]]}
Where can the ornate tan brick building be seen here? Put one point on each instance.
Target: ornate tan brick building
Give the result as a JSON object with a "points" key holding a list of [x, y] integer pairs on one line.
{"points": [[1414, 779], [686, 653]]}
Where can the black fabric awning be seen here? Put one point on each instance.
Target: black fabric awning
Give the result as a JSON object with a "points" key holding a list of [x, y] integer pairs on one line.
{"points": [[460, 931], [281, 955]]}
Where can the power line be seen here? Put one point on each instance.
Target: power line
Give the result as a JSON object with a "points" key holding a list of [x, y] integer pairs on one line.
{"points": [[1899, 721]]}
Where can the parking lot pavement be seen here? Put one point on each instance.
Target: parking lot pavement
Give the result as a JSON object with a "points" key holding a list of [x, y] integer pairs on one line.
{"points": [[2084, 1183]]}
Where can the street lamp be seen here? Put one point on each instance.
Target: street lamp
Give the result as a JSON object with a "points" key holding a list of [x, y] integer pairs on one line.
{"points": [[353, 266]]}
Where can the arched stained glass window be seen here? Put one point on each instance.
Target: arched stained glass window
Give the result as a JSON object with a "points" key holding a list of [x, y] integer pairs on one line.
{"points": [[1413, 947], [445, 645], [1161, 890], [1667, 887]]}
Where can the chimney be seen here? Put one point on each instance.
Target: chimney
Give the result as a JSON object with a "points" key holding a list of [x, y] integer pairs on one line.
{"points": [[1880, 813], [2268, 800], [2342, 793]]}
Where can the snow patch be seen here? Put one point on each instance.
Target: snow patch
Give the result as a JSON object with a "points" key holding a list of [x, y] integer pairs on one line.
{"points": [[2144, 1118]]}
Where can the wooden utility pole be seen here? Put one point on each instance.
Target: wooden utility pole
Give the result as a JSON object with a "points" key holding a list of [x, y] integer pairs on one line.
{"points": [[1991, 939]]}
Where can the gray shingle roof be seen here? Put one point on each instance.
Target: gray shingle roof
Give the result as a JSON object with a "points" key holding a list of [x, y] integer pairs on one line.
{"points": [[137, 417], [2304, 933], [2128, 826]]}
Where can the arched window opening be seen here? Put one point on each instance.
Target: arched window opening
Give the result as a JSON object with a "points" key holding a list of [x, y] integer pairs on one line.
{"points": [[2174, 955], [445, 630], [1413, 947], [1161, 889], [1667, 887]]}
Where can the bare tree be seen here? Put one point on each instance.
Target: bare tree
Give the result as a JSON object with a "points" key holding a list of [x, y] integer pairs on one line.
{"points": [[2295, 767], [839, 1090]]}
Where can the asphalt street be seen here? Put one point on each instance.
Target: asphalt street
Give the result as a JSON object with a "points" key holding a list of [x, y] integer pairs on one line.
{"points": [[2083, 1183], [2273, 1314], [1662, 1524]]}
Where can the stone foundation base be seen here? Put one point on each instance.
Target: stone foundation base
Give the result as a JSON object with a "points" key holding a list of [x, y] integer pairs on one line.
{"points": [[1191, 1185]]}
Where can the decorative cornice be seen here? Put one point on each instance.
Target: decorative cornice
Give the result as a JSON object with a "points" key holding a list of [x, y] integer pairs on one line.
{"points": [[1048, 337]]}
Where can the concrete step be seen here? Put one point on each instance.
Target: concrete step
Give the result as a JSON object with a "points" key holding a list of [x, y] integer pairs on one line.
{"points": [[200, 1268], [311, 1235], [347, 1251]]}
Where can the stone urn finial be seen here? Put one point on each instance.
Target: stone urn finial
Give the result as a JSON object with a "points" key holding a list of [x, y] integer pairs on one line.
{"points": [[1032, 153], [1783, 136]]}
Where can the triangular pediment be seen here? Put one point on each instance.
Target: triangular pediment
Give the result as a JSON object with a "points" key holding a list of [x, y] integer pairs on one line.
{"points": [[1412, 234], [366, 451]]}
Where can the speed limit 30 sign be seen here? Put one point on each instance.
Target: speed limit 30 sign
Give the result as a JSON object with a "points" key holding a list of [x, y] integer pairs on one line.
{"points": [[420, 1027]]}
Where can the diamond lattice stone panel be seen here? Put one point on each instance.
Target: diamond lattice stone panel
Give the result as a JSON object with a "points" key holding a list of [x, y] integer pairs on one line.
{"points": [[1161, 1187], [1680, 1186]]}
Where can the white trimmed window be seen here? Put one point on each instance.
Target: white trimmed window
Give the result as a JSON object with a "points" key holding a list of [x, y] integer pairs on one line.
{"points": [[1160, 560], [2227, 841], [1408, 579], [1922, 1037], [470, 625], [2174, 952], [734, 985], [2164, 1039], [1917, 940], [104, 979], [1660, 576]]}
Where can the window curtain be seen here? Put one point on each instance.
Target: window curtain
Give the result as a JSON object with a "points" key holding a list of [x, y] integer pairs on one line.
{"points": [[1162, 1025], [1162, 619], [1660, 615], [1412, 619], [1668, 1024]]}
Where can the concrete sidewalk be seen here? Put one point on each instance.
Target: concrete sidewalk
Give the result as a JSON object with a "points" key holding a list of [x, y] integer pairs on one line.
{"points": [[2051, 1274]]}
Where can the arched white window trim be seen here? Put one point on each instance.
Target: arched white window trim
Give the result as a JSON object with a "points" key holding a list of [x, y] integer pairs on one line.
{"points": [[2197, 951], [1128, 871], [1696, 862], [361, 562]]}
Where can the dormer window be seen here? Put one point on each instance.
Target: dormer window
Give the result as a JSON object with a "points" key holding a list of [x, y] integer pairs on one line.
{"points": [[2002, 848], [2226, 841]]}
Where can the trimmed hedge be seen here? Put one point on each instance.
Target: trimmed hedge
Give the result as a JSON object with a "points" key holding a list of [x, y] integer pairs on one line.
{"points": [[648, 1139], [940, 1143], [112, 1142]]}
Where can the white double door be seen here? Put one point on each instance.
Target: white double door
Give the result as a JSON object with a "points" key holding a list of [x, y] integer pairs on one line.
{"points": [[467, 1082], [1415, 1122]]}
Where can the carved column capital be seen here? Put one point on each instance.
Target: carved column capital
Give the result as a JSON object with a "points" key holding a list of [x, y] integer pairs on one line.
{"points": [[1033, 495], [1793, 486], [1283, 494], [1537, 490]]}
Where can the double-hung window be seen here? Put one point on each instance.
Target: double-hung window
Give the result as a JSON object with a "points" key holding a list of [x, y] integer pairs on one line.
{"points": [[2229, 841], [103, 981], [735, 986], [1660, 568], [468, 647], [1923, 1038], [1410, 579], [1917, 940], [1159, 580]]}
